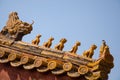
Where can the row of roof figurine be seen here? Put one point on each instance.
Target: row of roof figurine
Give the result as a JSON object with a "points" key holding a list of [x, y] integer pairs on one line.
{"points": [[15, 27], [88, 53]]}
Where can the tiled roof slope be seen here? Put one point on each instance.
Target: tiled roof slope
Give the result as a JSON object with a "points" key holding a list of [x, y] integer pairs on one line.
{"points": [[44, 59]]}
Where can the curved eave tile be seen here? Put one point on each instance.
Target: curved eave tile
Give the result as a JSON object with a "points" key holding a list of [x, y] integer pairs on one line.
{"points": [[5, 60], [73, 74], [15, 64], [58, 72], [29, 66], [43, 69]]}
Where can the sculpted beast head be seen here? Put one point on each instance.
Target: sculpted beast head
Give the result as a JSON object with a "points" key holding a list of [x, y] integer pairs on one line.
{"points": [[15, 28]]}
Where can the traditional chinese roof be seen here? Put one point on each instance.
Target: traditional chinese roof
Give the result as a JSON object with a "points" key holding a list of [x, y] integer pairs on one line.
{"points": [[44, 59]]}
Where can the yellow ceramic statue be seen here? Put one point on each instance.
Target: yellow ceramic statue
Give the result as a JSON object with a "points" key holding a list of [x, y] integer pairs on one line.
{"points": [[106, 55], [90, 52], [49, 42], [102, 48], [36, 40], [60, 46], [13, 22], [75, 47], [15, 28]]}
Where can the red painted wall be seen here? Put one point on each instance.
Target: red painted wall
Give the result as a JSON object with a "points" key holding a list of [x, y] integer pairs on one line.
{"points": [[11, 73]]}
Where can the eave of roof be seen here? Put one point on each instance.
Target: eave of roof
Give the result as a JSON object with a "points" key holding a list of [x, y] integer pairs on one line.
{"points": [[43, 59]]}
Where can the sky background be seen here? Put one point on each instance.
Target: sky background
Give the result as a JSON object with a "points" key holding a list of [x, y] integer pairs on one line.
{"points": [[87, 21]]}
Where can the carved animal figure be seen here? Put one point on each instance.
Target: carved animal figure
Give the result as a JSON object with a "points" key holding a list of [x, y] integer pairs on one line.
{"points": [[90, 52], [106, 55], [75, 47], [12, 21], [102, 48], [36, 40], [49, 42], [60, 46], [15, 28]]}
